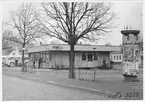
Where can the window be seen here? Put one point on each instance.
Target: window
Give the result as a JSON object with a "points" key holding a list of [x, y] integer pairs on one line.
{"points": [[114, 57], [90, 57], [120, 57], [95, 56], [117, 57], [83, 56]]}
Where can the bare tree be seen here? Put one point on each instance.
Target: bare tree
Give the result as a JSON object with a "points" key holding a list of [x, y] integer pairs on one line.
{"points": [[6, 33], [72, 21], [25, 26], [5, 36]]}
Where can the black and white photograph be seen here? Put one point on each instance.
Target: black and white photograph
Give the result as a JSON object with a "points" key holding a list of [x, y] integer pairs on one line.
{"points": [[77, 50]]}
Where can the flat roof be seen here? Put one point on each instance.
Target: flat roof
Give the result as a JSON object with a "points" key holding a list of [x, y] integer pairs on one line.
{"points": [[126, 32], [65, 47]]}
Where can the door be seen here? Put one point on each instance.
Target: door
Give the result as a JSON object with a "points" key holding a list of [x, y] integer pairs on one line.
{"points": [[89, 60]]}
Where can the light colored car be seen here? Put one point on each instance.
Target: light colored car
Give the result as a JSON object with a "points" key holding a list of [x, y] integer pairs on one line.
{"points": [[14, 61]]}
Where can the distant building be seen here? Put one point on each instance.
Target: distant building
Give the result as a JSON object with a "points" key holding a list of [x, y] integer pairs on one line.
{"points": [[12, 55], [15, 51], [7, 51]]}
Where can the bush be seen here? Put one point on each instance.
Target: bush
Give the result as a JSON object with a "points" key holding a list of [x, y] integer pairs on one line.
{"points": [[59, 67], [105, 67]]}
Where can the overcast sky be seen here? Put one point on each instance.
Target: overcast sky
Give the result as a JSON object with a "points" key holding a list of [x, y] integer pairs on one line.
{"points": [[129, 13]]}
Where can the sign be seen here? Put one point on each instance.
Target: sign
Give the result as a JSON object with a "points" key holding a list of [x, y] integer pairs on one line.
{"points": [[56, 47], [23, 48]]}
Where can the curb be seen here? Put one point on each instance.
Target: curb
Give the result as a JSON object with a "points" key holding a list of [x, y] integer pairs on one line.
{"points": [[106, 93]]}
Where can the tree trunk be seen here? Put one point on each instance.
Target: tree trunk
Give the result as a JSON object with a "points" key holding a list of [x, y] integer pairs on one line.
{"points": [[23, 57], [72, 63]]}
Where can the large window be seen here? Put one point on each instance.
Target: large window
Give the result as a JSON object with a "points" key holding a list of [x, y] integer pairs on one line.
{"points": [[90, 57]]}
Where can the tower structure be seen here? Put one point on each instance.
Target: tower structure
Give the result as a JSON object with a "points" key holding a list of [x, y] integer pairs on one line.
{"points": [[130, 53]]}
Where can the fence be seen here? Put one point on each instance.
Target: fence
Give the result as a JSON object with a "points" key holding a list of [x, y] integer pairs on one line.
{"points": [[86, 74], [28, 68]]}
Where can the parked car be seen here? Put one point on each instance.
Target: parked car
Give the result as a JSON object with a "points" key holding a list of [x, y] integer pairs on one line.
{"points": [[13, 61]]}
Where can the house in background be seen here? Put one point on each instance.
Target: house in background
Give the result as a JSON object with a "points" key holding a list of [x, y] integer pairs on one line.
{"points": [[12, 55], [15, 51]]}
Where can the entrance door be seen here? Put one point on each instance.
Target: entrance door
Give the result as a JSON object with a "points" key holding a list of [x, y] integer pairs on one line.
{"points": [[90, 60]]}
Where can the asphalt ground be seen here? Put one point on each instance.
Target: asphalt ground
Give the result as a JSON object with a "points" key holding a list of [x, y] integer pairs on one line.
{"points": [[110, 81], [15, 89]]}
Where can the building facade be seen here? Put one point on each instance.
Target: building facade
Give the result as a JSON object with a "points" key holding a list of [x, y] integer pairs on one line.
{"points": [[57, 55]]}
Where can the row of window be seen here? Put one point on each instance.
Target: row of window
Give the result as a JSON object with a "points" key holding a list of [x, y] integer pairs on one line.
{"points": [[117, 57], [43, 56], [89, 56], [85, 56]]}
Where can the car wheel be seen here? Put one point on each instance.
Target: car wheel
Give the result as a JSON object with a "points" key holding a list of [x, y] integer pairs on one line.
{"points": [[12, 64]]}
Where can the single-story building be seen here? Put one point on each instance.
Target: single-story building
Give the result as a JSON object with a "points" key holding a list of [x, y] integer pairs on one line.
{"points": [[57, 55]]}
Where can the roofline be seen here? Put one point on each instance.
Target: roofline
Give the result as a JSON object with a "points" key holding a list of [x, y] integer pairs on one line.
{"points": [[126, 32], [7, 48], [79, 45], [49, 47]]}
